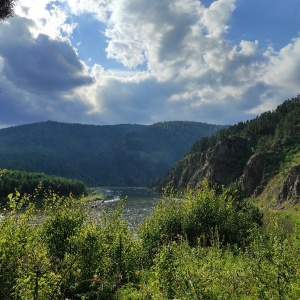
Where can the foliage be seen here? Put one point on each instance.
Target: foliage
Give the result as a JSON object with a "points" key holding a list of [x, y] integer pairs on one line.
{"points": [[280, 125], [112, 155], [268, 269], [62, 253], [6, 8], [37, 183], [60, 225], [274, 133], [197, 216], [24, 264]]}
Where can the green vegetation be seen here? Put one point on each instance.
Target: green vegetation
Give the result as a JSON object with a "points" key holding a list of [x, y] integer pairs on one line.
{"points": [[270, 152], [116, 155], [275, 133], [201, 245], [278, 125], [197, 244], [37, 183], [198, 216], [93, 195]]}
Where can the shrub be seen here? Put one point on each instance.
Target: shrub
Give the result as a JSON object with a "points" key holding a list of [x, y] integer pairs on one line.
{"points": [[199, 216]]}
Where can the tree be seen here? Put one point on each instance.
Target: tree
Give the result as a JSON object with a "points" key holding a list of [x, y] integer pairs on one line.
{"points": [[6, 8]]}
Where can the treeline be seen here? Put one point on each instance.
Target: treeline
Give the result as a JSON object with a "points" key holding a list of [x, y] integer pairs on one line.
{"points": [[111, 155], [36, 184], [201, 246], [275, 134], [272, 128]]}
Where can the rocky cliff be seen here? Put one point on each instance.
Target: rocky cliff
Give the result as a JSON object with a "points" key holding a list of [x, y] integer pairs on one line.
{"points": [[263, 154], [290, 189], [253, 177], [220, 166], [232, 160]]}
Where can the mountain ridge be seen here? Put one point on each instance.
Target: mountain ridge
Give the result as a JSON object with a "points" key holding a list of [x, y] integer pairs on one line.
{"points": [[122, 154], [254, 153]]}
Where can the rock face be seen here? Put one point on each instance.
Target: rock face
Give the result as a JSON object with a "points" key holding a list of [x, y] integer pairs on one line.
{"points": [[253, 176], [290, 189], [221, 165], [231, 159]]}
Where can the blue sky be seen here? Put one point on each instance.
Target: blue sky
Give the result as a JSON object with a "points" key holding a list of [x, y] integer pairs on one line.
{"points": [[139, 61]]}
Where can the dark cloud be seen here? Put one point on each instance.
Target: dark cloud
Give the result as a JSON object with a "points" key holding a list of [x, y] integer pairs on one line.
{"points": [[178, 64], [19, 107], [133, 102], [40, 65], [38, 76]]}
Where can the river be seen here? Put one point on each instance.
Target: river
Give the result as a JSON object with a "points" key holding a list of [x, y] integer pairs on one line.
{"points": [[138, 204]]}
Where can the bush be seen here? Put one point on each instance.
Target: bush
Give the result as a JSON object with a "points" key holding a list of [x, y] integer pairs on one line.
{"points": [[63, 253], [199, 216], [102, 259], [267, 269]]}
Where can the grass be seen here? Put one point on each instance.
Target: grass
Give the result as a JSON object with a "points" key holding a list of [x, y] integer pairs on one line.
{"points": [[267, 200], [93, 195]]}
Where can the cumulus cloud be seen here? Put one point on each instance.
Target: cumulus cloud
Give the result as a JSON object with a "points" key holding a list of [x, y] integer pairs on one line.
{"points": [[48, 17], [99, 9], [283, 68], [41, 65], [157, 33], [216, 18], [177, 63], [39, 76]]}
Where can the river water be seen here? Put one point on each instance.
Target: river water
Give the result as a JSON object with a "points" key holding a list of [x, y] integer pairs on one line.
{"points": [[139, 202]]}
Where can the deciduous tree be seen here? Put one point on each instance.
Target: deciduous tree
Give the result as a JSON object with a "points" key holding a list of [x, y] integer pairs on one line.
{"points": [[6, 8]]}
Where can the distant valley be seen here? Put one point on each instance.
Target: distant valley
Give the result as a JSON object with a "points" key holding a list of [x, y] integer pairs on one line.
{"points": [[111, 155]]}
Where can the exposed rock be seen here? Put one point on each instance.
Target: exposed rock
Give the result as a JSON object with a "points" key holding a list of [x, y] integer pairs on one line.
{"points": [[231, 159], [290, 190], [226, 161], [221, 165], [183, 171], [253, 175]]}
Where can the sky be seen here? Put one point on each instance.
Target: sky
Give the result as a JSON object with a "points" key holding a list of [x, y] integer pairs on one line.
{"points": [[139, 61]]}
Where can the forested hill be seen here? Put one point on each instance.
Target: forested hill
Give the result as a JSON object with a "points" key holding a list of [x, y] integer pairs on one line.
{"points": [[263, 154], [119, 155]]}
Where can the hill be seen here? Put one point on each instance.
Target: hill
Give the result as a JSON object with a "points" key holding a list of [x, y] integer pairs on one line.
{"points": [[263, 154], [111, 155]]}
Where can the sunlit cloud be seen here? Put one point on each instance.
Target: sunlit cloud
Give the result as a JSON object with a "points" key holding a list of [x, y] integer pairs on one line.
{"points": [[160, 60]]}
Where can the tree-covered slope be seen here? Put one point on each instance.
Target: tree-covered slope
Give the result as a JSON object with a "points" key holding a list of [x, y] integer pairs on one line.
{"points": [[100, 155], [255, 152], [36, 184]]}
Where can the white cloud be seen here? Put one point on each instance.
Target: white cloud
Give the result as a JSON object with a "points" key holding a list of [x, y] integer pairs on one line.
{"points": [[48, 17], [39, 75], [216, 17], [178, 63], [153, 32], [100, 9], [175, 39], [283, 68]]}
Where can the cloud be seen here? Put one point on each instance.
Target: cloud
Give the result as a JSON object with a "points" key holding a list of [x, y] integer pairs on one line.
{"points": [[155, 33], [216, 18], [48, 17], [39, 76], [99, 9], [176, 63], [282, 71], [41, 65]]}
